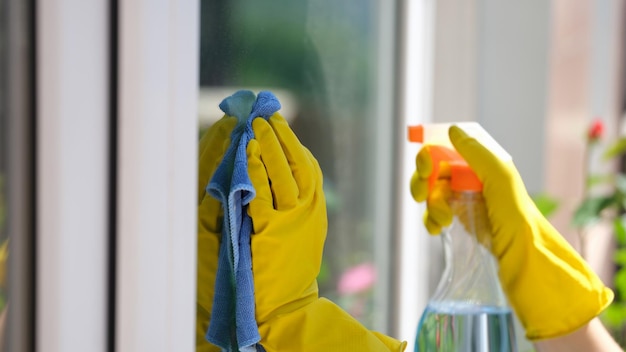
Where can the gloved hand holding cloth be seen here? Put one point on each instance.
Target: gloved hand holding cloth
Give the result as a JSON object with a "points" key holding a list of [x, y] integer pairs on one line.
{"points": [[549, 285], [289, 224]]}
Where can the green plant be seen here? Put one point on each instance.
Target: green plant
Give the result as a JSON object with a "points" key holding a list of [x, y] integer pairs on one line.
{"points": [[607, 205]]}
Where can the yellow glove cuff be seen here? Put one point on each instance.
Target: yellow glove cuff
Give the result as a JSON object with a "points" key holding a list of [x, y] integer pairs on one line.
{"points": [[323, 326], [556, 292]]}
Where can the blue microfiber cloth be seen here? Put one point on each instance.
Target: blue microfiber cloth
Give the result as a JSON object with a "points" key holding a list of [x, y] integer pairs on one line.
{"points": [[233, 324]]}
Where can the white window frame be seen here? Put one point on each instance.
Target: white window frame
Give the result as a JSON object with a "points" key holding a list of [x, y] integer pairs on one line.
{"points": [[155, 269], [414, 243], [71, 181], [156, 232]]}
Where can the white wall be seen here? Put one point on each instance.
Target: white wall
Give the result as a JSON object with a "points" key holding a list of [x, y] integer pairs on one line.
{"points": [[512, 68], [491, 62]]}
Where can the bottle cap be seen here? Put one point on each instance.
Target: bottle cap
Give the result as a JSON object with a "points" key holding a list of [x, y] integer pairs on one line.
{"points": [[463, 178]]}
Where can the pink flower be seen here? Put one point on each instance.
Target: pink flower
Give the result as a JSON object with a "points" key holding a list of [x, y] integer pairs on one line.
{"points": [[357, 279], [596, 130]]}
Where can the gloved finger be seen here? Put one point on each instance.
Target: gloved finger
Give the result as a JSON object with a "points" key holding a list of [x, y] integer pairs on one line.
{"points": [[419, 187], [317, 170], [283, 185], [208, 251], [437, 204], [296, 153], [432, 227], [424, 167], [259, 178], [212, 146], [419, 179], [435, 223], [210, 214], [479, 158], [424, 162]]}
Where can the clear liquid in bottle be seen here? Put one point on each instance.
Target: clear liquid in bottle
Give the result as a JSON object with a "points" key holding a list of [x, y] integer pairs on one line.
{"points": [[466, 329]]}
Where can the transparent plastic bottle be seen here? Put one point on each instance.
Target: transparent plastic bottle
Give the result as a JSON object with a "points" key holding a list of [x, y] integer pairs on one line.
{"points": [[468, 311]]}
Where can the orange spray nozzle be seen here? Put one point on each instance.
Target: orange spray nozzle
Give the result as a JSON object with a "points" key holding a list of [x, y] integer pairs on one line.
{"points": [[440, 156], [463, 178], [439, 147], [441, 150], [416, 133]]}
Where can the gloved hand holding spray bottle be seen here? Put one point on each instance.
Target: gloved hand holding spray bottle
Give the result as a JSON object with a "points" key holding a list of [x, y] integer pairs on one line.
{"points": [[553, 291], [468, 311]]}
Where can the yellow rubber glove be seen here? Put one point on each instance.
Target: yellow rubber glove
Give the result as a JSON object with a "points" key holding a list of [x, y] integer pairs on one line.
{"points": [[290, 223], [213, 145], [551, 288], [438, 212]]}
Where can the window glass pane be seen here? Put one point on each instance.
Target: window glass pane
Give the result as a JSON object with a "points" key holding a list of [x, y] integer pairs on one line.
{"points": [[319, 58]]}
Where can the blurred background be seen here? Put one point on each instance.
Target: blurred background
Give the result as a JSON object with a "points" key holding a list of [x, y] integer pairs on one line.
{"points": [[545, 79]]}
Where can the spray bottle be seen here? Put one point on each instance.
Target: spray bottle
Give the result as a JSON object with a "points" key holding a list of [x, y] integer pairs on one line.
{"points": [[468, 311]]}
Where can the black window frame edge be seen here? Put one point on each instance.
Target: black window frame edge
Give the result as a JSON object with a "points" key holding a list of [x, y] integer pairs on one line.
{"points": [[114, 24]]}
